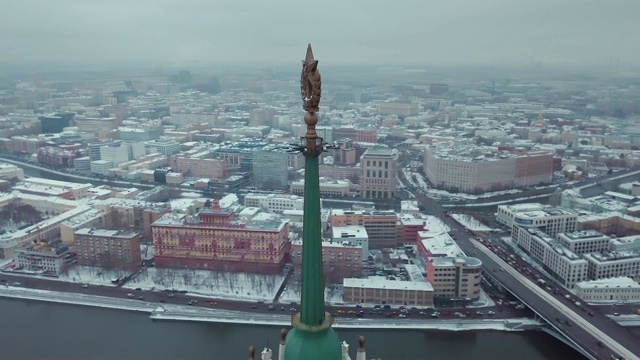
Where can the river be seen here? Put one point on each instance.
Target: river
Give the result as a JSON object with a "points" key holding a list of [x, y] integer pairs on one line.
{"points": [[38, 330]]}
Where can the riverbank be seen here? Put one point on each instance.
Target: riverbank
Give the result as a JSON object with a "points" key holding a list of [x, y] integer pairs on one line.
{"points": [[186, 313]]}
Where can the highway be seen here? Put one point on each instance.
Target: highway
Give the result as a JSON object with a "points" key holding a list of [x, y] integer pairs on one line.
{"points": [[587, 331]]}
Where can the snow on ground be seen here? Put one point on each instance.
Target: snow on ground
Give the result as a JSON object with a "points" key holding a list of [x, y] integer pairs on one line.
{"points": [[147, 251], [332, 294], [471, 223], [228, 285], [91, 275]]}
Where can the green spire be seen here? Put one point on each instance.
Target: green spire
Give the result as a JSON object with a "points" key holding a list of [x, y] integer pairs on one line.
{"points": [[312, 336], [312, 312]]}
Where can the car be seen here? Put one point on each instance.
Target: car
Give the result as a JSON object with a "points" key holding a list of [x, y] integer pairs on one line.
{"points": [[138, 289], [358, 306], [568, 323], [140, 297], [254, 306], [130, 295], [491, 313], [85, 286], [600, 344], [402, 316], [163, 301], [15, 283], [171, 295], [590, 313]]}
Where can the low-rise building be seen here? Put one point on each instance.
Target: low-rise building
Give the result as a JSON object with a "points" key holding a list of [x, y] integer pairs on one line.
{"points": [[107, 248], [328, 187], [49, 258], [353, 234], [613, 290], [383, 291]]}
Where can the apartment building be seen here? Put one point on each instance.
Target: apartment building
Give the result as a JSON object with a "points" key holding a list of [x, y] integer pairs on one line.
{"points": [[107, 248]]}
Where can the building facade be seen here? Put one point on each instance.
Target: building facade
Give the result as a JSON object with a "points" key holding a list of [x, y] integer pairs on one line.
{"points": [[51, 259], [383, 227], [383, 291], [563, 264], [586, 241], [340, 260], [107, 248], [549, 219], [455, 279], [214, 240], [622, 289], [379, 176]]}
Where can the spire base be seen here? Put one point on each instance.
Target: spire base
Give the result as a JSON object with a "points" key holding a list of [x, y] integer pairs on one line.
{"points": [[318, 342]]}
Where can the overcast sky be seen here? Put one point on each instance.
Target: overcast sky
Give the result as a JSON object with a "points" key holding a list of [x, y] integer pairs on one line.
{"points": [[185, 32]]}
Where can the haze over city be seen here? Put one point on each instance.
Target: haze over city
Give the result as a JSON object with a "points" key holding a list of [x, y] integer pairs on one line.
{"points": [[412, 32]]}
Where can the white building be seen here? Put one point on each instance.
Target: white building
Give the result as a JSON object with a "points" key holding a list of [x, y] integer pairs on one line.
{"points": [[101, 167], [355, 234], [455, 278], [566, 266], [586, 241], [549, 219], [621, 289], [116, 155], [480, 169], [10, 171], [276, 203], [409, 207], [79, 191], [604, 265], [43, 257], [328, 187], [164, 147]]}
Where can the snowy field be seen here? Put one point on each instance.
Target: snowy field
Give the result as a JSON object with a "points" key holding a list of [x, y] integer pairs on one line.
{"points": [[471, 223], [332, 294], [228, 285], [91, 275]]}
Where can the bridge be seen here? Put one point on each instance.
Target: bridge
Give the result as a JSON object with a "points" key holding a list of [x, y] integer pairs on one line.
{"points": [[596, 337]]}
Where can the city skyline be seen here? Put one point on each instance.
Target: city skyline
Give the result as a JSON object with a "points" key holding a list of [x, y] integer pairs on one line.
{"points": [[167, 33]]}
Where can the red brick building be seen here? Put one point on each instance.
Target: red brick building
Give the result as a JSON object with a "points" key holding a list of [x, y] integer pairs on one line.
{"points": [[214, 240]]}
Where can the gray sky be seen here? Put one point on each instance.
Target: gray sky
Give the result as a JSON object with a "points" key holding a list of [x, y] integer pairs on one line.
{"points": [[185, 32]]}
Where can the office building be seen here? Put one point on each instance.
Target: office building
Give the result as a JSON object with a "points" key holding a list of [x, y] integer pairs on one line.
{"points": [[551, 220], [566, 266], [213, 239], [455, 278], [379, 176], [612, 264], [271, 169], [480, 169], [352, 234], [383, 227], [586, 241], [54, 124]]}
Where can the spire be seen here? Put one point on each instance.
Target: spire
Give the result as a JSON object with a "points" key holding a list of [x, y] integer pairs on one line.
{"points": [[312, 336]]}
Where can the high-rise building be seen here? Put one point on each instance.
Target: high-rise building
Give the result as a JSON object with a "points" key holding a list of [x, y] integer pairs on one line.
{"points": [[379, 176], [54, 124]]}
